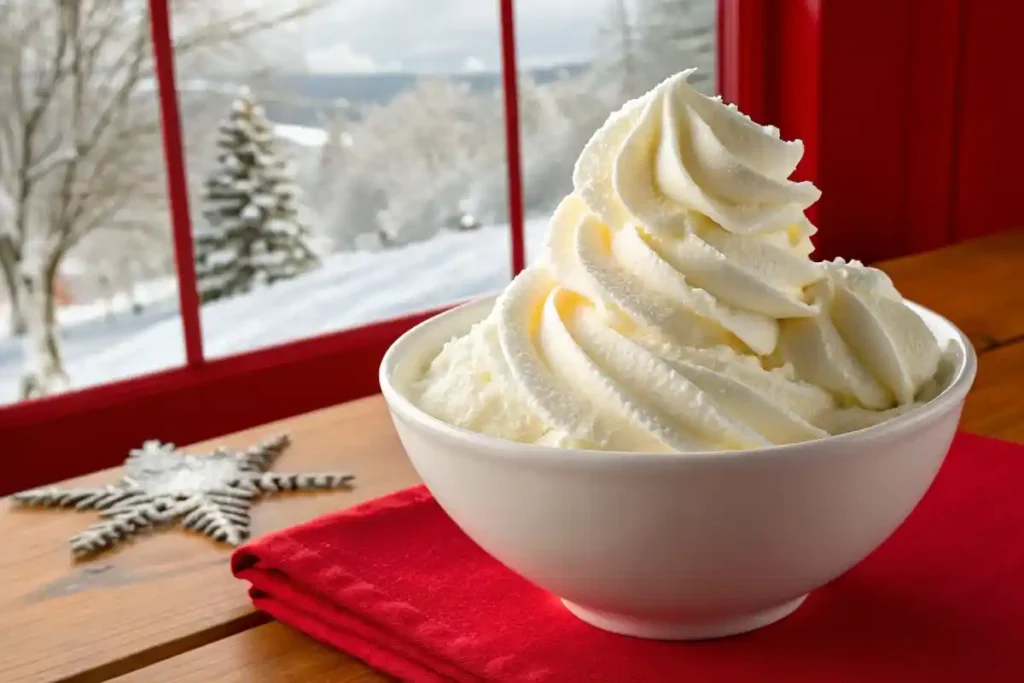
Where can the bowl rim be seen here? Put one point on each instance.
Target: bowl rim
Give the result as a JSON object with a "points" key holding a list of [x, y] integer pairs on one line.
{"points": [[402, 406]]}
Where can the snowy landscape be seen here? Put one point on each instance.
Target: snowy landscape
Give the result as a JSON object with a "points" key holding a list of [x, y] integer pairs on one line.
{"points": [[351, 289], [331, 182]]}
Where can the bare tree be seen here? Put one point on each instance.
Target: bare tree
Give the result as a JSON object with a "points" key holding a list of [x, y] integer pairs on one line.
{"points": [[645, 41], [80, 136], [345, 198], [620, 60], [415, 154], [676, 35]]}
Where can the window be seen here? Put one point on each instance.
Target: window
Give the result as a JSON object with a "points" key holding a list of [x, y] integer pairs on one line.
{"points": [[351, 170], [85, 240]]}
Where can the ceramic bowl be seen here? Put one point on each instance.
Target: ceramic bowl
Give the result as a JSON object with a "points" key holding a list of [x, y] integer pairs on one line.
{"points": [[677, 546]]}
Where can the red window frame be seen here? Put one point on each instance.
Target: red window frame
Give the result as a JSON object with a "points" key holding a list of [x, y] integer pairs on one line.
{"points": [[83, 430]]}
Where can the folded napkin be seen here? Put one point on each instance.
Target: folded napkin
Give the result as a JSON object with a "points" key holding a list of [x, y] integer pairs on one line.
{"points": [[397, 584]]}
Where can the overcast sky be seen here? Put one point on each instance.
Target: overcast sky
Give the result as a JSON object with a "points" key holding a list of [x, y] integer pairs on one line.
{"points": [[445, 35]]}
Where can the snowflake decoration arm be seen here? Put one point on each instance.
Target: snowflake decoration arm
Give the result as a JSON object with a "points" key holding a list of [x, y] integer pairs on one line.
{"points": [[117, 525], [79, 499], [210, 494]]}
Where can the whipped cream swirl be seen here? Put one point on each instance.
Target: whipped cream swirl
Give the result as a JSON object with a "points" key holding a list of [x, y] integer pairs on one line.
{"points": [[675, 151], [698, 200], [867, 347], [636, 329], [606, 381], [548, 367], [676, 307]]}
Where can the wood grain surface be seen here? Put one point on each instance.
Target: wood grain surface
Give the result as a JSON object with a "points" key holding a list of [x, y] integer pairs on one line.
{"points": [[271, 653], [169, 592], [166, 609], [978, 285]]}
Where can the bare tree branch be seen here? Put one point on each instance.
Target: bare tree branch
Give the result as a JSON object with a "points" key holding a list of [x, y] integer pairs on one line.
{"points": [[230, 29], [44, 96]]}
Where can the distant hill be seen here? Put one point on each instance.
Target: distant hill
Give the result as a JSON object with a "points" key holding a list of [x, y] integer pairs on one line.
{"points": [[380, 88]]}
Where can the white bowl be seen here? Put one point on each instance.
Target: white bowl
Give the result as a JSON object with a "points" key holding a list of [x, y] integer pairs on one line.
{"points": [[678, 546]]}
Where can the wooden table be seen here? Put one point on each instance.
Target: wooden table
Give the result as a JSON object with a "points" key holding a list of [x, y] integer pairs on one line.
{"points": [[166, 609]]}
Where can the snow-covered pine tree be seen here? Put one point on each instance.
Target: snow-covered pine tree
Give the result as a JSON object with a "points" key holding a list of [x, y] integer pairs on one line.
{"points": [[254, 232]]}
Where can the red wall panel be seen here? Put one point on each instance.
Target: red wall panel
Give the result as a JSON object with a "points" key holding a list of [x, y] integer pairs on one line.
{"points": [[793, 74], [863, 126], [990, 191], [933, 109], [908, 110], [741, 48], [840, 72]]}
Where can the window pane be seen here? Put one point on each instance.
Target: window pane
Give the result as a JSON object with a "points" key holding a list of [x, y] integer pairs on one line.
{"points": [[580, 61], [87, 293], [346, 166]]}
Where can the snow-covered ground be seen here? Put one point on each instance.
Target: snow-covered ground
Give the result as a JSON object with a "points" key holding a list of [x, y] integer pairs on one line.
{"points": [[351, 289], [307, 136]]}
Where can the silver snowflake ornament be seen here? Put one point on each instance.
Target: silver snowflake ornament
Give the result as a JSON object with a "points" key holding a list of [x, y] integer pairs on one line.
{"points": [[210, 493]]}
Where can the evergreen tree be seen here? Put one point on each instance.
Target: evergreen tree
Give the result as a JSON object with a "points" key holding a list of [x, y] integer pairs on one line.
{"points": [[254, 232]]}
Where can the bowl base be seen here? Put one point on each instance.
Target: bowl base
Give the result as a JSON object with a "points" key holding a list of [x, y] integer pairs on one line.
{"points": [[697, 629]]}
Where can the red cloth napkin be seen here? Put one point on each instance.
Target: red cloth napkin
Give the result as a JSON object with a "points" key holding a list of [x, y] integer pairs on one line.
{"points": [[397, 584]]}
